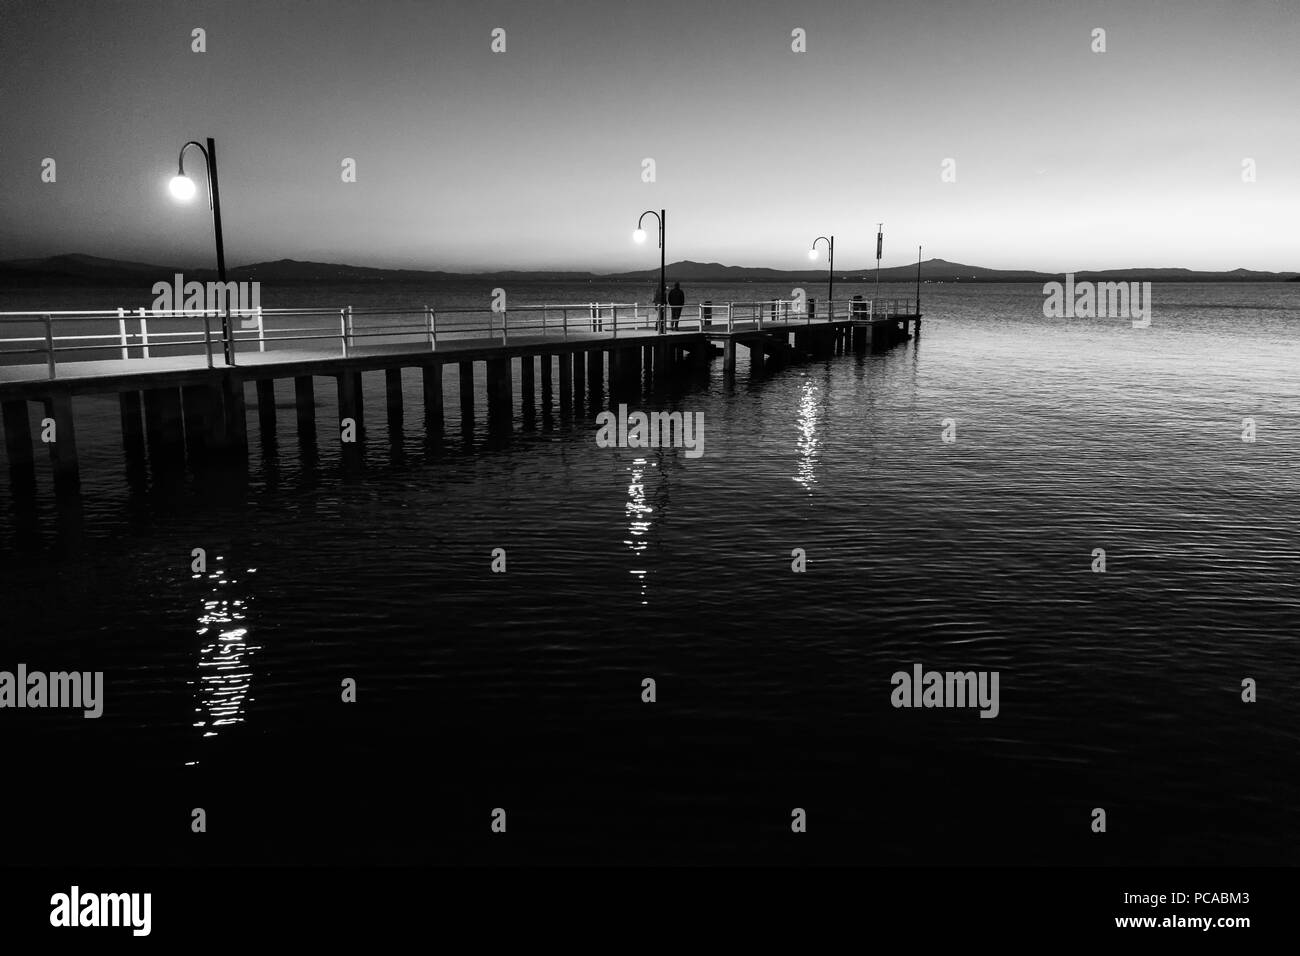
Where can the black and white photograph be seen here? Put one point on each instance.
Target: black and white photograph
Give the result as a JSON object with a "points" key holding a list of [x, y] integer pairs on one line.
{"points": [[711, 454]]}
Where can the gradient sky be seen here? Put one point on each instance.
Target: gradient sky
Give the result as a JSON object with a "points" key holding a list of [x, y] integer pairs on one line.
{"points": [[471, 161]]}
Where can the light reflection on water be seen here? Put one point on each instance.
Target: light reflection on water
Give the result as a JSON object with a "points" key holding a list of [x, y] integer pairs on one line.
{"points": [[225, 654], [638, 514], [807, 442]]}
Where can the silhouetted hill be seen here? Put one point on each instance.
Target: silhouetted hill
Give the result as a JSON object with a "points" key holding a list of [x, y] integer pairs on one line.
{"points": [[77, 269]]}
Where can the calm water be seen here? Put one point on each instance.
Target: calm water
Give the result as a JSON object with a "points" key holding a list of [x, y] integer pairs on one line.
{"points": [[522, 690]]}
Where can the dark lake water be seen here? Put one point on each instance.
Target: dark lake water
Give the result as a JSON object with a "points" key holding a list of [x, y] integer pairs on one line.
{"points": [[522, 690]]}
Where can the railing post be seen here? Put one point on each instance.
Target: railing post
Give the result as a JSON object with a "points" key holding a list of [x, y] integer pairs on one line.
{"points": [[121, 331], [731, 327], [261, 331], [351, 328], [144, 335], [49, 342], [614, 317], [566, 325], [544, 321], [207, 336], [343, 330], [505, 327], [431, 329]]}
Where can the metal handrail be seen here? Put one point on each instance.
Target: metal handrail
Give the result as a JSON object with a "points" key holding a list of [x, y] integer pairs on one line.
{"points": [[452, 324]]}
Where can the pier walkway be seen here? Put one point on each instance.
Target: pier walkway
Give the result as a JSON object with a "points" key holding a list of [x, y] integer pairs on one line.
{"points": [[181, 399]]}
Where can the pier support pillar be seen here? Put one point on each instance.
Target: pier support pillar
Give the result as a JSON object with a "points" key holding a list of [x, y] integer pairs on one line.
{"points": [[579, 360], [393, 393], [662, 360], [729, 357], [266, 408], [595, 371], [130, 413], [466, 395], [162, 413], [629, 370], [63, 449], [433, 399], [205, 420], [547, 385], [566, 382], [527, 390], [236, 417], [18, 443], [500, 401], [304, 399], [350, 406]]}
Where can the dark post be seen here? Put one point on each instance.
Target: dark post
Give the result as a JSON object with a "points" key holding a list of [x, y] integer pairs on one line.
{"points": [[830, 278], [226, 329], [663, 280], [918, 280]]}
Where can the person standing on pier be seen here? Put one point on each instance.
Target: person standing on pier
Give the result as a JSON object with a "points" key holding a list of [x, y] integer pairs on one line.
{"points": [[676, 299]]}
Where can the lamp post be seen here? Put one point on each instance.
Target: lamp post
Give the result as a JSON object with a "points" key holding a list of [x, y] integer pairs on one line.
{"points": [[830, 274], [639, 236], [918, 280], [880, 244], [182, 188]]}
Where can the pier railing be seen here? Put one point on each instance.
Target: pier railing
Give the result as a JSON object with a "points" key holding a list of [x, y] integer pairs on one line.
{"points": [[81, 336]]}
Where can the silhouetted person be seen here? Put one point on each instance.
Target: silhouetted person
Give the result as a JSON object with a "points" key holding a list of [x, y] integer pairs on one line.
{"points": [[676, 299]]}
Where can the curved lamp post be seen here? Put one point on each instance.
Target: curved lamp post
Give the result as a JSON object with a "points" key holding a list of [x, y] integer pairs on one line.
{"points": [[830, 275], [182, 188], [639, 236]]}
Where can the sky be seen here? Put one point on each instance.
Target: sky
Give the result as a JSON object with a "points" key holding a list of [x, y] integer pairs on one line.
{"points": [[471, 160]]}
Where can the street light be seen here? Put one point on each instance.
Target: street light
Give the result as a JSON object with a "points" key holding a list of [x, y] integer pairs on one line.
{"points": [[830, 275], [183, 189], [640, 236]]}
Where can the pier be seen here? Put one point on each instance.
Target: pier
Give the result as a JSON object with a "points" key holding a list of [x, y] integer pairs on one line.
{"points": [[181, 401]]}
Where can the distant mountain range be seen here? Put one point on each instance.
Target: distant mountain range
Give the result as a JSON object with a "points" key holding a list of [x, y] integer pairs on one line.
{"points": [[73, 270]]}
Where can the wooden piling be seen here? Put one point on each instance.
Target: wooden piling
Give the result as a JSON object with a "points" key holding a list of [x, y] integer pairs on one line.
{"points": [[500, 402], [578, 362], [566, 382], [527, 390], [304, 399], [235, 414], [204, 420], [130, 414], [63, 448], [393, 393], [18, 434], [266, 408], [547, 385], [350, 404], [163, 416], [467, 395], [433, 399]]}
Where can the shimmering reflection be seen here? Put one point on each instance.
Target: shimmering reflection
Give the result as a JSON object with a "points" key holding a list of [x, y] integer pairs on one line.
{"points": [[638, 512], [807, 444], [225, 671]]}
